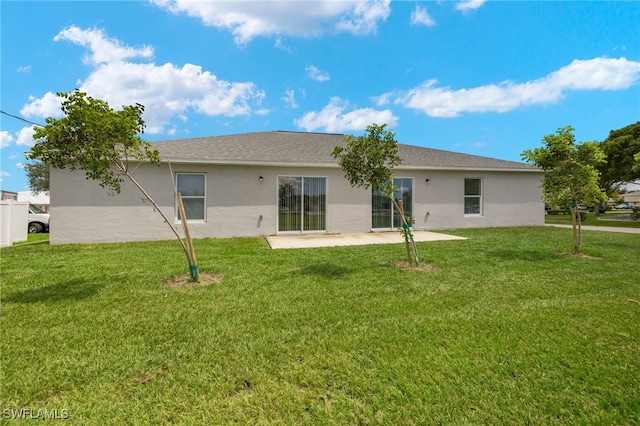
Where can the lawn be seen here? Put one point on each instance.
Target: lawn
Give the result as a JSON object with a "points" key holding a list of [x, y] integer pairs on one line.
{"points": [[613, 218], [508, 329]]}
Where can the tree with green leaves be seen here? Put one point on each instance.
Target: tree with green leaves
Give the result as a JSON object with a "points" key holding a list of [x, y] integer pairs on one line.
{"points": [[38, 176], [620, 148], [105, 144], [571, 175], [368, 162]]}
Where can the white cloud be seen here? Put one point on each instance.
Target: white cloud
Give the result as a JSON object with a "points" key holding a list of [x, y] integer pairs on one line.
{"points": [[289, 98], [20, 166], [24, 69], [598, 73], [5, 139], [465, 5], [364, 17], [4, 174], [247, 20], [593, 74], [280, 44], [385, 98], [420, 16], [46, 106], [315, 74], [103, 49], [165, 90], [25, 137], [333, 118]]}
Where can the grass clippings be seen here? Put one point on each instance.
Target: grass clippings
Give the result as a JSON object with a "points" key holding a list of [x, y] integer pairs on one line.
{"points": [[422, 267], [185, 281], [147, 377], [578, 255]]}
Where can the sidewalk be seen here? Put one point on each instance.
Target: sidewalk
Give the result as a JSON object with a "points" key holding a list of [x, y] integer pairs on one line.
{"points": [[601, 228]]}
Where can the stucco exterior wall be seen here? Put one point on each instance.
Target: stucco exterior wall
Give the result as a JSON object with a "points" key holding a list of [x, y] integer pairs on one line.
{"points": [[239, 204], [508, 199]]}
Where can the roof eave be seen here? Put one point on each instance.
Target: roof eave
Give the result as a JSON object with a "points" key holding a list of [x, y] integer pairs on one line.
{"points": [[336, 166], [467, 168]]}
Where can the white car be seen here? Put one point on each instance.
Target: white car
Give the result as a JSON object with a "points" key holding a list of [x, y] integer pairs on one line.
{"points": [[38, 220], [623, 207]]}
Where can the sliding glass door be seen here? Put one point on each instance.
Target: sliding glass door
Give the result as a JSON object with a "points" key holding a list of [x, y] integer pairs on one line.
{"points": [[384, 215], [302, 203]]}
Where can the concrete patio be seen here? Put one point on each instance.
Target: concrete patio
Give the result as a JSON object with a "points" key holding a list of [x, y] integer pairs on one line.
{"points": [[333, 240]]}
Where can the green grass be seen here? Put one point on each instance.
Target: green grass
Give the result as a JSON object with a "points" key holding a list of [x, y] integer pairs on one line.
{"points": [[40, 238], [507, 330], [607, 219]]}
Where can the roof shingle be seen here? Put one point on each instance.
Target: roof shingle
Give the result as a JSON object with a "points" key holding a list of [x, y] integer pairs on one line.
{"points": [[303, 148]]}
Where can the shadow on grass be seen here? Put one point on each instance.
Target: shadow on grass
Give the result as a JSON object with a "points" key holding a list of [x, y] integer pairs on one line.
{"points": [[325, 270], [65, 291]]}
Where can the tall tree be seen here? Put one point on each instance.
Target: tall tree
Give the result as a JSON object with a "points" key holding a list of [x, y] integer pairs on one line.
{"points": [[368, 162], [620, 148], [104, 143], [571, 174], [38, 176]]}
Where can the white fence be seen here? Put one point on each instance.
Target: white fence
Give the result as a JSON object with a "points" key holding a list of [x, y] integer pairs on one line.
{"points": [[14, 221]]}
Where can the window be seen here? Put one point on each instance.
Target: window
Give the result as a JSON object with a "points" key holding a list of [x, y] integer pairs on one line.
{"points": [[473, 196], [383, 212], [191, 187], [302, 203]]}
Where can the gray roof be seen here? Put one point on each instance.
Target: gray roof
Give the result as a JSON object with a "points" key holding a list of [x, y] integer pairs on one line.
{"points": [[310, 149]]}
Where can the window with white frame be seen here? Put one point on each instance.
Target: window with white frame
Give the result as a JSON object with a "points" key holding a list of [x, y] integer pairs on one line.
{"points": [[473, 196], [192, 188]]}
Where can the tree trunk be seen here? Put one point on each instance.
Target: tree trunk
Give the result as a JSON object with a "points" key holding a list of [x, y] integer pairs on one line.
{"points": [[579, 217], [406, 231], [157, 208], [576, 244]]}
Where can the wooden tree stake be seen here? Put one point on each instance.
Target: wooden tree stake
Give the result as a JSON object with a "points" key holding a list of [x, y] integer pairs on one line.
{"points": [[193, 263]]}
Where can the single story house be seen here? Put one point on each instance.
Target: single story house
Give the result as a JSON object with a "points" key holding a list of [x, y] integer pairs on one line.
{"points": [[41, 200], [281, 182], [8, 195], [632, 198]]}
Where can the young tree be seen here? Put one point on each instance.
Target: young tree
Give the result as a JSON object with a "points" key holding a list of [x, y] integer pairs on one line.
{"points": [[38, 176], [571, 174], [102, 142], [368, 162]]}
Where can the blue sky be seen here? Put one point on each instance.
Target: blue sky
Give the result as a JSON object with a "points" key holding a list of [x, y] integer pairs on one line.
{"points": [[485, 78]]}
